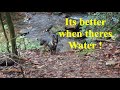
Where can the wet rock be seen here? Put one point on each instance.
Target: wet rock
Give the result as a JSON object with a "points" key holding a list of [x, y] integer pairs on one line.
{"points": [[63, 45], [24, 32], [75, 28], [57, 28]]}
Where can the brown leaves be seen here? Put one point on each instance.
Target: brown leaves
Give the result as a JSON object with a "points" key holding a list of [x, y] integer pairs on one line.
{"points": [[69, 64], [11, 70]]}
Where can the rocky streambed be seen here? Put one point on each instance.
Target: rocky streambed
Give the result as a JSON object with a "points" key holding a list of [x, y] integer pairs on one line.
{"points": [[36, 23]]}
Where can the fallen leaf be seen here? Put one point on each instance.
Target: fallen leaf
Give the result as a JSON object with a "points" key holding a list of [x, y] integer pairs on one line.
{"points": [[111, 62]]}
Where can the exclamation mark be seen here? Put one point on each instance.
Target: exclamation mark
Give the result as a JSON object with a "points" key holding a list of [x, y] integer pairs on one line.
{"points": [[100, 45]]}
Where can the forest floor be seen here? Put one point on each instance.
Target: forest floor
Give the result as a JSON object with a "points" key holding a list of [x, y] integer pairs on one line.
{"points": [[100, 63]]}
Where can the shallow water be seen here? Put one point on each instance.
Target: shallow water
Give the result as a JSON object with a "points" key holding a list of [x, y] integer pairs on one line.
{"points": [[41, 21]]}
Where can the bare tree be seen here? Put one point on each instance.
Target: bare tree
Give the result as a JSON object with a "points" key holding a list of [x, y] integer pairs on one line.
{"points": [[12, 33]]}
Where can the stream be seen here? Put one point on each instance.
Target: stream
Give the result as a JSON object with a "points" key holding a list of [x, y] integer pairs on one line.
{"points": [[41, 21]]}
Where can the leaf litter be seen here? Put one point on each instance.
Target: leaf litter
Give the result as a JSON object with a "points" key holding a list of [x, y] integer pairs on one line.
{"points": [[101, 63]]}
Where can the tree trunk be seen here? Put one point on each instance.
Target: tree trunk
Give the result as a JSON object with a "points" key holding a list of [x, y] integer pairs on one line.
{"points": [[12, 33], [7, 41]]}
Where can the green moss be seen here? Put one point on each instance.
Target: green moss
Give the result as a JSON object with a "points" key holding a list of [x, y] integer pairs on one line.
{"points": [[57, 28]]}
